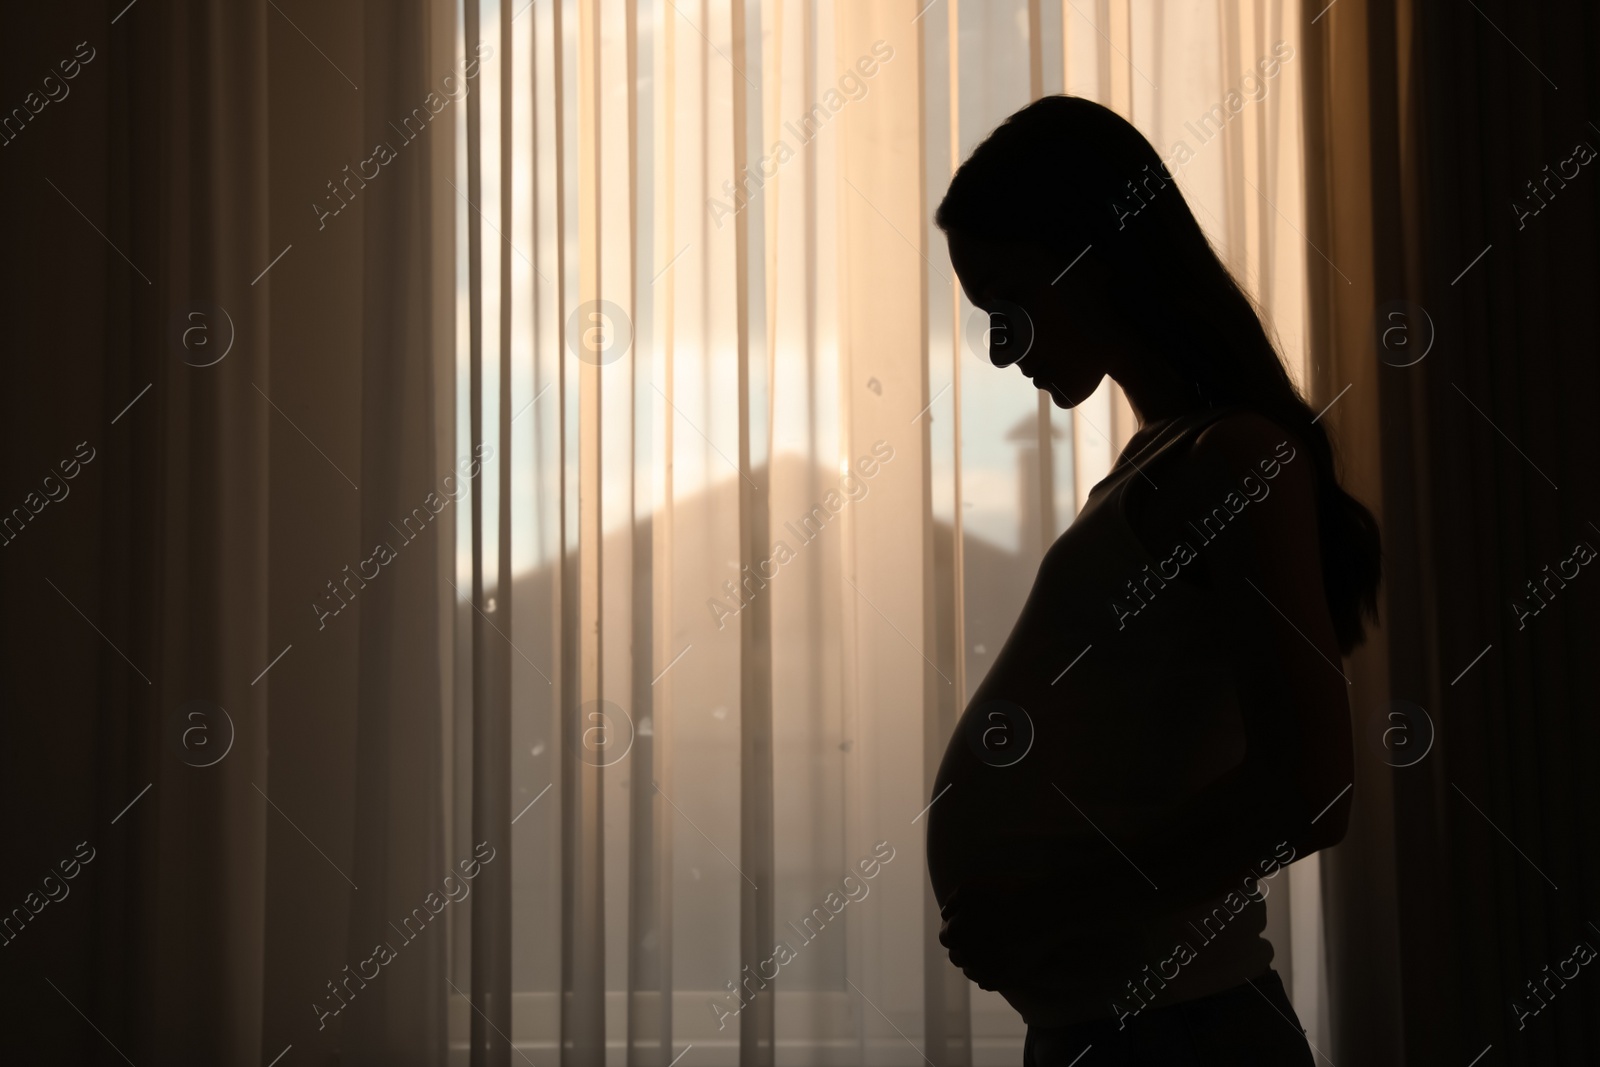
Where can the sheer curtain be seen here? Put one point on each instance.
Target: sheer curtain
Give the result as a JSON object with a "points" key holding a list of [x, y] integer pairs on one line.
{"points": [[763, 513]]}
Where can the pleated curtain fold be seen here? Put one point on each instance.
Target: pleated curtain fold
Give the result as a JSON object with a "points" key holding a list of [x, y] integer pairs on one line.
{"points": [[246, 586], [1448, 179]]}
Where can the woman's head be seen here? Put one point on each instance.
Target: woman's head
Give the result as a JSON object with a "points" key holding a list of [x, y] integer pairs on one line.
{"points": [[1066, 220], [1067, 228]]}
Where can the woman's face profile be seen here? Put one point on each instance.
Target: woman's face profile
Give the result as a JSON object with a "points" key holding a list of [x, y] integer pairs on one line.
{"points": [[1049, 315]]}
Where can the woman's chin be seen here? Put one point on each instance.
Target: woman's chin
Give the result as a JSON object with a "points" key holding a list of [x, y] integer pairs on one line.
{"points": [[1060, 399]]}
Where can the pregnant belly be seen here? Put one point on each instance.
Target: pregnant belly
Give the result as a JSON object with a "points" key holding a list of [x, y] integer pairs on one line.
{"points": [[1013, 804], [1022, 792], [1002, 804]]}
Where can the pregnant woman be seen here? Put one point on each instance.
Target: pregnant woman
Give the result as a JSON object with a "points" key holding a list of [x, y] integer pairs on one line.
{"points": [[1167, 725]]}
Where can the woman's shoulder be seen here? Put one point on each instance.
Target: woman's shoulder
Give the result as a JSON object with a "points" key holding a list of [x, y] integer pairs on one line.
{"points": [[1223, 457], [1242, 434], [1238, 441], [1227, 454]]}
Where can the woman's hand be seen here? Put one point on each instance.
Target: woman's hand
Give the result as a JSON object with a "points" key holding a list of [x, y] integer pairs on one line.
{"points": [[1000, 928]]}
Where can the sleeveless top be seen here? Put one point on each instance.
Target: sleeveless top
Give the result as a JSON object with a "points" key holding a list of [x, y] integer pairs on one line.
{"points": [[1111, 704]]}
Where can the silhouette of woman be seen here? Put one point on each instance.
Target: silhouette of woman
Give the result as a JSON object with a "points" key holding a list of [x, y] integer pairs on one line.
{"points": [[1167, 726]]}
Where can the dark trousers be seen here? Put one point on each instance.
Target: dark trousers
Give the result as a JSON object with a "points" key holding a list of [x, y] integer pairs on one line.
{"points": [[1251, 1025]]}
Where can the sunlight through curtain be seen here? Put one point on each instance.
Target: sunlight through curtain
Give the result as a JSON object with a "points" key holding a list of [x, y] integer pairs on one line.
{"points": [[763, 513]]}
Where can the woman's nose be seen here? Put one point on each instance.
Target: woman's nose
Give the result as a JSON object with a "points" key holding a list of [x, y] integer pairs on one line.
{"points": [[1010, 334]]}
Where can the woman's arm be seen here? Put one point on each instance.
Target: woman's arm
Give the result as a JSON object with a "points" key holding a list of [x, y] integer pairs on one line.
{"points": [[1293, 784]]}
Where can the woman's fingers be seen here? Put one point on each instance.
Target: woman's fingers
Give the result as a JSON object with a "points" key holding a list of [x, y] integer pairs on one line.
{"points": [[985, 924], [969, 948]]}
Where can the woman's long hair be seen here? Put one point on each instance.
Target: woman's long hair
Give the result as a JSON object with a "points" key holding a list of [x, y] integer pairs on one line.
{"points": [[1068, 173]]}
